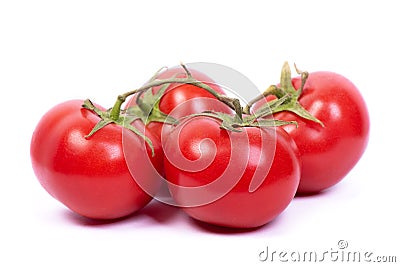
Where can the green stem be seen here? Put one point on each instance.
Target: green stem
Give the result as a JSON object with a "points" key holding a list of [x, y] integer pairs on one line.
{"points": [[270, 107], [272, 90], [226, 100], [287, 100], [238, 109], [116, 110]]}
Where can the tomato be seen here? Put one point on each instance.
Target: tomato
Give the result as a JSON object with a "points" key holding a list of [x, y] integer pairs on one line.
{"points": [[181, 100], [328, 153], [176, 94], [90, 175], [233, 179]]}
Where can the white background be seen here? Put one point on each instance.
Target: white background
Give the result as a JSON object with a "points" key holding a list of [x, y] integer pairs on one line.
{"points": [[52, 51]]}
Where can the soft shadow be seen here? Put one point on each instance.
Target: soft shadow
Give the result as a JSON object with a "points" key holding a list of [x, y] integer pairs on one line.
{"points": [[317, 194], [209, 228], [165, 214], [155, 210], [84, 221], [159, 212]]}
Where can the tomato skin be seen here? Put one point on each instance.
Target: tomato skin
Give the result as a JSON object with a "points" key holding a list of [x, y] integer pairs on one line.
{"points": [[89, 176], [328, 153], [176, 94], [237, 207]]}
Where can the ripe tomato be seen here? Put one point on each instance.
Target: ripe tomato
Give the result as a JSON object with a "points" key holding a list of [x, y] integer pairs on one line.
{"points": [[233, 179], [90, 175], [181, 100], [328, 153], [176, 94]]}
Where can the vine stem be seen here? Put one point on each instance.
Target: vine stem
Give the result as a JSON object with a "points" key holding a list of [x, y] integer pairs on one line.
{"points": [[116, 109], [287, 100], [271, 90], [284, 91]]}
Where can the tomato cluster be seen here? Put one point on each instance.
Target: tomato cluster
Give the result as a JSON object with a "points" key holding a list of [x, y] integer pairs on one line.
{"points": [[221, 163]]}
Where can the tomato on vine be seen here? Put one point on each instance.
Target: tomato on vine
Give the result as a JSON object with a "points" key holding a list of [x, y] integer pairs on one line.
{"points": [[331, 146], [234, 170], [240, 179], [90, 175]]}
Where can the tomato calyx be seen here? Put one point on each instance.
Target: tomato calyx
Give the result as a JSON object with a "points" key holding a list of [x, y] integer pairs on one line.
{"points": [[235, 124], [125, 120], [261, 118], [287, 90], [292, 104], [287, 99], [147, 107]]}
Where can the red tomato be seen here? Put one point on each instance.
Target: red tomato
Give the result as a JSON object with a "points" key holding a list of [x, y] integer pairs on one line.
{"points": [[233, 179], [328, 153], [176, 94], [91, 176], [181, 100]]}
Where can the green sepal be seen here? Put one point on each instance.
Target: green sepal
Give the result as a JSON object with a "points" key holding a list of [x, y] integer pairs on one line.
{"points": [[101, 124], [298, 109], [147, 107], [124, 120], [272, 123], [290, 101], [90, 106], [233, 123], [158, 116], [270, 108]]}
